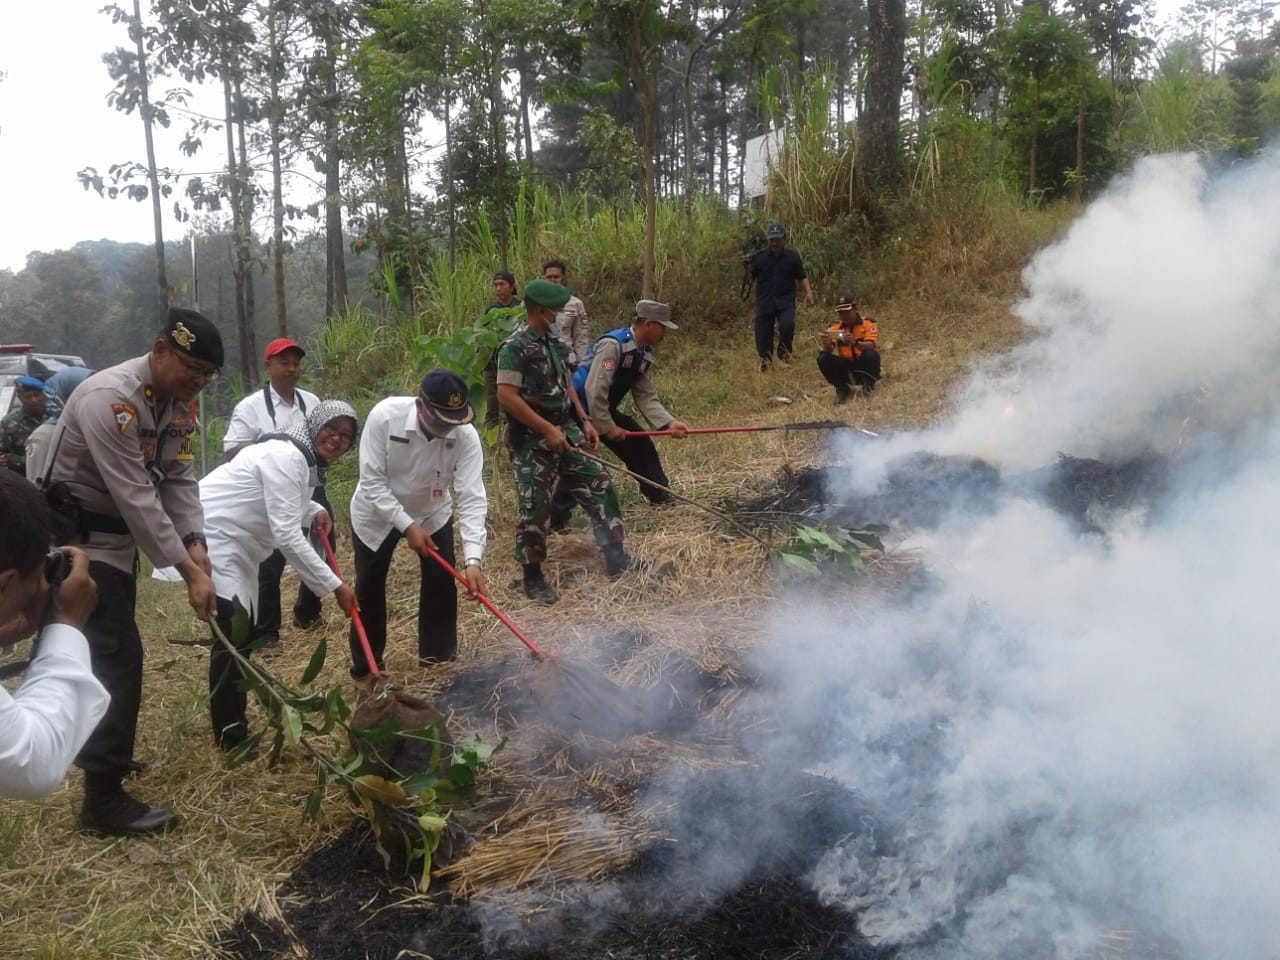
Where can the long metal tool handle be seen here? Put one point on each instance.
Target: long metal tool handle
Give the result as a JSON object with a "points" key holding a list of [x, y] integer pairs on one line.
{"points": [[683, 499], [506, 621], [355, 613], [812, 425]]}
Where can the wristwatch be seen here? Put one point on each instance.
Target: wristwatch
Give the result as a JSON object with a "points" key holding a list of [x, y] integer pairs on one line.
{"points": [[475, 563]]}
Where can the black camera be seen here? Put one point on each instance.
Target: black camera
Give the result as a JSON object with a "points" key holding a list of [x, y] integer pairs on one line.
{"points": [[56, 567]]}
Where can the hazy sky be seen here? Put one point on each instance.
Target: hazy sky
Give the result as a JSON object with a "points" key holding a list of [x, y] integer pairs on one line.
{"points": [[54, 121]]}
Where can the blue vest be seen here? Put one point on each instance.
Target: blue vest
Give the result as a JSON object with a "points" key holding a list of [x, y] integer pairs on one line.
{"points": [[634, 361]]}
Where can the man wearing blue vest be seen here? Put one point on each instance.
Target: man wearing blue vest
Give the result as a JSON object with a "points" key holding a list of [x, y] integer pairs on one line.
{"points": [[620, 363]]}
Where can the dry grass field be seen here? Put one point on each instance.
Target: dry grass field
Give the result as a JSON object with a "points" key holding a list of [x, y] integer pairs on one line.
{"points": [[67, 895]]}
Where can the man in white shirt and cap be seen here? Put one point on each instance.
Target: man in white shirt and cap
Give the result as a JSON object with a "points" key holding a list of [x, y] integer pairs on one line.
{"points": [[412, 451], [279, 405], [258, 502]]}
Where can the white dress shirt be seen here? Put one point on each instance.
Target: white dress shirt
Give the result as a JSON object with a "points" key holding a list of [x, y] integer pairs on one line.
{"points": [[46, 721], [250, 419], [257, 503], [405, 478]]}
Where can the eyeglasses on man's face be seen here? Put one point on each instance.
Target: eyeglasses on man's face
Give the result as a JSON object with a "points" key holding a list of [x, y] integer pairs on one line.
{"points": [[195, 370]]}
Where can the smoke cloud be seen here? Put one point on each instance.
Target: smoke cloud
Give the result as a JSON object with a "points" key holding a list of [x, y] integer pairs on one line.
{"points": [[1073, 737]]}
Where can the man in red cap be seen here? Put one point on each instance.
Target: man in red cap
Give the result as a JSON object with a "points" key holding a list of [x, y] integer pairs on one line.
{"points": [[279, 405]]}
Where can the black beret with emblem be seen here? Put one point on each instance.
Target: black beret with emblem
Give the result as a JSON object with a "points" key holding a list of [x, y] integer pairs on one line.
{"points": [[444, 394], [194, 335]]}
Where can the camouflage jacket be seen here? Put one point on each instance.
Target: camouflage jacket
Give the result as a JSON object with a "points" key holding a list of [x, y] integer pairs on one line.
{"points": [[16, 426], [538, 363]]}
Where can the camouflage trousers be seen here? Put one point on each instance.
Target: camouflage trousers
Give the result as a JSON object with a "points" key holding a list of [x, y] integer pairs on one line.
{"points": [[538, 469]]}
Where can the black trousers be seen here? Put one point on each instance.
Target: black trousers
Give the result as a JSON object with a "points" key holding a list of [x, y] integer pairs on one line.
{"points": [[840, 372], [307, 605], [437, 600], [638, 454], [784, 315], [115, 653], [227, 702]]}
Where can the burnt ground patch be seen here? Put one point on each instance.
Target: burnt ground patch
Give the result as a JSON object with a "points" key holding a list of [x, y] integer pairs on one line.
{"points": [[921, 489], [720, 885]]}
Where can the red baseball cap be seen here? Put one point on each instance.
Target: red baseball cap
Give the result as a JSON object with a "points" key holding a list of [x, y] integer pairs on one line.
{"points": [[280, 345]]}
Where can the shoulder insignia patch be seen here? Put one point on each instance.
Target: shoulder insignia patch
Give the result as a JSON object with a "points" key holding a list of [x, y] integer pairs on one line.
{"points": [[124, 415], [610, 364]]}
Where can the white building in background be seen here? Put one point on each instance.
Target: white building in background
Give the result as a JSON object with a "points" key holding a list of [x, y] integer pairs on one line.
{"points": [[760, 154]]}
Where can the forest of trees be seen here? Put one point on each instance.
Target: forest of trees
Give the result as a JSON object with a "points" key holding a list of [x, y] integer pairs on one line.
{"points": [[334, 187]]}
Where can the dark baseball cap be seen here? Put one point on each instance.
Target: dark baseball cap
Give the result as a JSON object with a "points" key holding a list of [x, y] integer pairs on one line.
{"points": [[846, 301], [444, 395], [193, 334], [775, 230]]}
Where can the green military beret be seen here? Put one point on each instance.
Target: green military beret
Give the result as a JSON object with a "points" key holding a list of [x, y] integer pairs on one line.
{"points": [[545, 293]]}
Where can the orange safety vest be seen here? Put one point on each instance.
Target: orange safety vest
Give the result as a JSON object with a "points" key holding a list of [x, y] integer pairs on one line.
{"points": [[864, 329]]}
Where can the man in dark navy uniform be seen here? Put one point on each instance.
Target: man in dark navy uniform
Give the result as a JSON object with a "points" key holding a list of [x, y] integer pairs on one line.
{"points": [[777, 270]]}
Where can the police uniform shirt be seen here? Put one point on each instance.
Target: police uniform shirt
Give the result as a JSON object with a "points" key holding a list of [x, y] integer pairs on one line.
{"points": [[39, 733], [405, 478], [125, 453], [609, 358], [251, 418], [257, 503], [571, 327]]}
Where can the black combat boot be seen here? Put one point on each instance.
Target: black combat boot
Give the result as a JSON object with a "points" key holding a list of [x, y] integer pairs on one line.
{"points": [[108, 808], [536, 586], [617, 561]]}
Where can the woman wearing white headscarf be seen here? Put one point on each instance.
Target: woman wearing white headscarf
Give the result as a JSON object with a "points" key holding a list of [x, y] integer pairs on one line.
{"points": [[255, 504]]}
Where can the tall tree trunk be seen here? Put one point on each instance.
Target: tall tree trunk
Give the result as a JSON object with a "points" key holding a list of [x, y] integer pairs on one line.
{"points": [[1035, 140], [234, 187], [244, 249], [153, 176], [410, 233], [1077, 187], [451, 196], [645, 87], [274, 117], [878, 123], [335, 267]]}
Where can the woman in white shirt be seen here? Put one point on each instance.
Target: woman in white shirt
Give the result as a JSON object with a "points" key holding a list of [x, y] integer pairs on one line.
{"points": [[257, 503]]}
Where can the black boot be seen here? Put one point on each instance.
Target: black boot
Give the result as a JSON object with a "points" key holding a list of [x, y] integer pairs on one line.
{"points": [[108, 808], [536, 586], [617, 561]]}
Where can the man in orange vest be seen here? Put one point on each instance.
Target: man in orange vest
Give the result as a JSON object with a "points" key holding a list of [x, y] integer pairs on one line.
{"points": [[849, 359]]}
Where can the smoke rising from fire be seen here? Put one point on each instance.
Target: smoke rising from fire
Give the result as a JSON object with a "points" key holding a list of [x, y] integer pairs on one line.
{"points": [[1164, 291], [1074, 736]]}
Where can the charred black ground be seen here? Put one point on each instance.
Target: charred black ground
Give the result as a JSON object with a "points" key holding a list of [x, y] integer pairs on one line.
{"points": [[921, 489], [339, 904], [727, 878]]}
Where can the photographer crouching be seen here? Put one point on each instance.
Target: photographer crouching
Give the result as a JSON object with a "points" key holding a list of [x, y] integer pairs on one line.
{"points": [[48, 718]]}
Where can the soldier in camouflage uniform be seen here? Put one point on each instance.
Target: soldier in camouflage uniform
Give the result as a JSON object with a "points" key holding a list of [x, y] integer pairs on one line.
{"points": [[18, 425], [546, 424]]}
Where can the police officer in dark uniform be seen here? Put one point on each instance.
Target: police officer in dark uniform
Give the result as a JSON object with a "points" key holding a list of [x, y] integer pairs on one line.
{"points": [[777, 270], [619, 363]]}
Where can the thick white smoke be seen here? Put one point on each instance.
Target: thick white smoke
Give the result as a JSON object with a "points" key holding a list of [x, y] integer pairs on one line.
{"points": [[1075, 738]]}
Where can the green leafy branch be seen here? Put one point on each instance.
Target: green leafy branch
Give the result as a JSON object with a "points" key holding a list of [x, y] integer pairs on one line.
{"points": [[411, 813], [812, 551]]}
